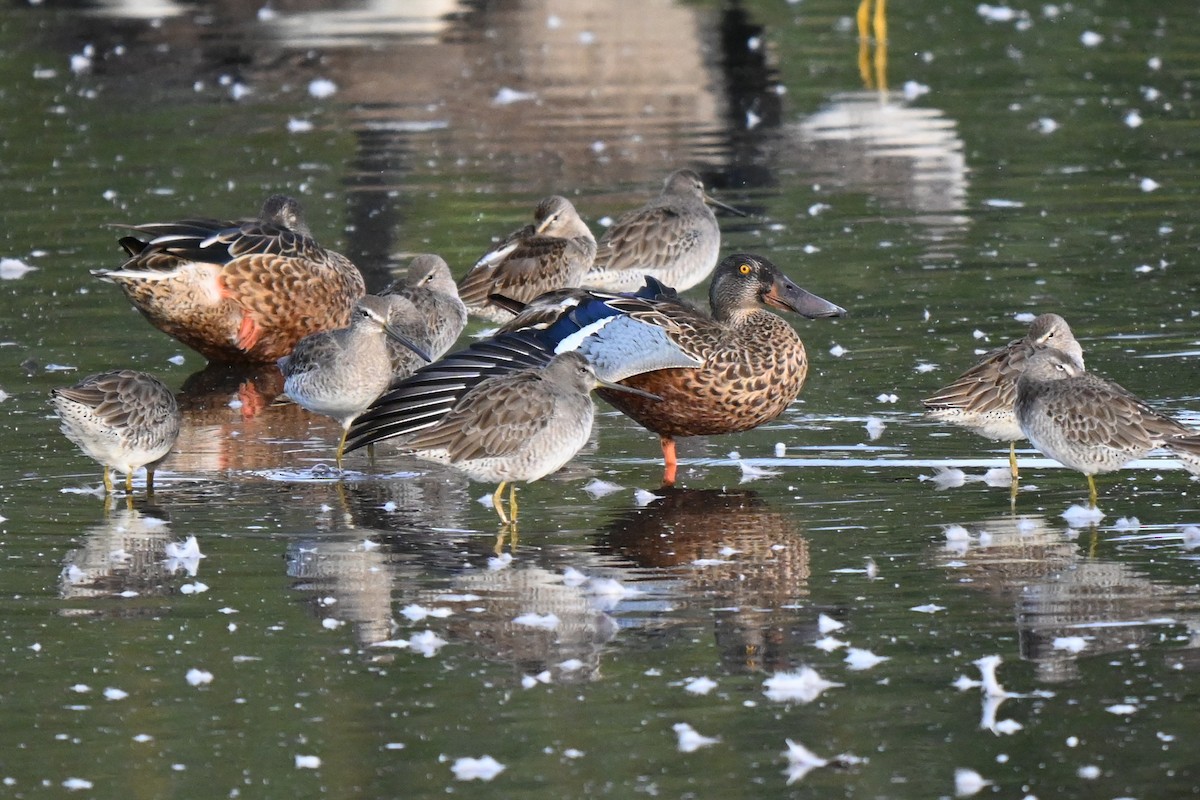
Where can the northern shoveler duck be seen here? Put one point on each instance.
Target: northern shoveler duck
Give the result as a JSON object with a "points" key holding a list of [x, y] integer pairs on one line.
{"points": [[238, 292], [746, 364], [439, 311], [1092, 425], [553, 253], [674, 239], [123, 419], [339, 373], [982, 398], [501, 423]]}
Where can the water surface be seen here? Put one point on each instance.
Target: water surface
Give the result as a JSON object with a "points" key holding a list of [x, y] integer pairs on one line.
{"points": [[364, 634]]}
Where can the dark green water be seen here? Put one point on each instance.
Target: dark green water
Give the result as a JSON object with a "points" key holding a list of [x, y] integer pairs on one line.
{"points": [[1005, 175]]}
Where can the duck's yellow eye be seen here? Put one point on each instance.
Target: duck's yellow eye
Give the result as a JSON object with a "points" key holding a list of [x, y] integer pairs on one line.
{"points": [[745, 269]]}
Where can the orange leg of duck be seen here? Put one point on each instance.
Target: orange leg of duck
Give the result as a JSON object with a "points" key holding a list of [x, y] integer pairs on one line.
{"points": [[253, 401], [668, 448], [248, 333]]}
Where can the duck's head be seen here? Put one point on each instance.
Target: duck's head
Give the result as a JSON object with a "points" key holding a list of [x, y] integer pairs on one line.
{"points": [[743, 281]]}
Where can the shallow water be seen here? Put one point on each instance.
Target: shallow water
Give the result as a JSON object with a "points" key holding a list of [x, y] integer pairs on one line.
{"points": [[376, 623]]}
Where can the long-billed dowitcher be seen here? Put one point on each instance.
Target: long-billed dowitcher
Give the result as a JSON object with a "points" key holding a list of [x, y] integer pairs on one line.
{"points": [[237, 292], [674, 238], [1092, 425], [982, 398], [124, 419], [493, 423], [338, 373], [430, 287], [747, 364], [553, 253]]}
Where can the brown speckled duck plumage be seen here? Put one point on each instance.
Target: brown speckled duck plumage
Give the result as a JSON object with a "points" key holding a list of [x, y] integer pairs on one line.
{"points": [[238, 291], [753, 364]]}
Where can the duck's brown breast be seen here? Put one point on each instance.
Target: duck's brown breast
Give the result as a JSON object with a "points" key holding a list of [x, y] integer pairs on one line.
{"points": [[750, 375]]}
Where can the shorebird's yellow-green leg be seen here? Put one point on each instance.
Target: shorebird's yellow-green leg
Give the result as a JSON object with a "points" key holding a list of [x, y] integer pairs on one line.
{"points": [[876, 24], [108, 486], [341, 448], [128, 483], [1092, 490], [498, 502], [1012, 461]]}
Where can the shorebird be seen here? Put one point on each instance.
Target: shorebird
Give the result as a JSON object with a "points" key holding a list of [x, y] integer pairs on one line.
{"points": [[439, 312], [982, 398], [1092, 425], [498, 423], [124, 419], [674, 238], [338, 373], [237, 291], [553, 253]]}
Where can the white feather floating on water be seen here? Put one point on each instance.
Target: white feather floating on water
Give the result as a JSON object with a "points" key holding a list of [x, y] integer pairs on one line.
{"points": [[598, 488], [184, 555], [859, 659], [701, 685], [534, 620], [802, 761], [803, 686], [198, 677], [690, 740], [987, 670], [484, 768], [643, 498], [1079, 516], [12, 269], [968, 782]]}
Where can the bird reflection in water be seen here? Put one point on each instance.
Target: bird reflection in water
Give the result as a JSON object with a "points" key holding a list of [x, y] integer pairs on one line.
{"points": [[232, 421], [1065, 599], [907, 156], [740, 557], [370, 538], [127, 554], [526, 614]]}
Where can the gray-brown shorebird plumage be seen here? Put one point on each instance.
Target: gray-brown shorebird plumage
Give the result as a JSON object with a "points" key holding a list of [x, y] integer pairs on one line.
{"points": [[339, 373], [674, 239], [982, 399], [483, 413], [553, 253], [124, 419], [1092, 425], [238, 291], [440, 315]]}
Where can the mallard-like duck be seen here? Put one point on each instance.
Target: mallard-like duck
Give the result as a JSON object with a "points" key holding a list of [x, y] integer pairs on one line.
{"points": [[746, 364], [238, 291]]}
